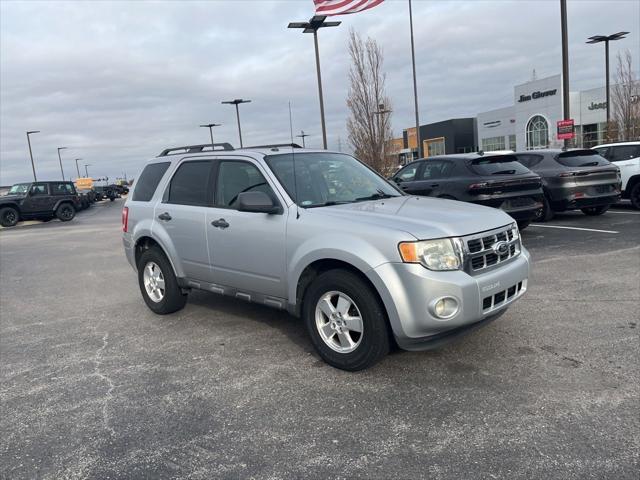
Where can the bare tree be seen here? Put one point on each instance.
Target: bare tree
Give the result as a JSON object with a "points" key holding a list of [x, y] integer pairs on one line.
{"points": [[369, 123], [626, 99]]}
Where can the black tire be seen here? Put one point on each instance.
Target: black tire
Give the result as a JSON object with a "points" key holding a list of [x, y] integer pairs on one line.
{"points": [[111, 199], [174, 299], [374, 342], [65, 212], [523, 224], [593, 211], [546, 213], [9, 216], [634, 196]]}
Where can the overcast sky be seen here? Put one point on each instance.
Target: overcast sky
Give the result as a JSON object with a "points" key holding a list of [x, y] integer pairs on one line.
{"points": [[118, 81]]}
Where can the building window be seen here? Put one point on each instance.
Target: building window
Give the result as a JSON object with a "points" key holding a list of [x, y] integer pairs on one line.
{"points": [[492, 144], [433, 147], [512, 142], [537, 133]]}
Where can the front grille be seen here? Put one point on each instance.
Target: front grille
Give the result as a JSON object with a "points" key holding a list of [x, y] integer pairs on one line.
{"points": [[502, 298], [480, 253]]}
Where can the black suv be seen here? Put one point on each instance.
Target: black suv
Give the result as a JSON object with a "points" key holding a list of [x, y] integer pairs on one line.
{"points": [[574, 180], [492, 180], [39, 200]]}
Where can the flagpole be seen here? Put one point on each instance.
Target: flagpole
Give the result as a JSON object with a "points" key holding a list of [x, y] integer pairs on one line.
{"points": [[415, 84]]}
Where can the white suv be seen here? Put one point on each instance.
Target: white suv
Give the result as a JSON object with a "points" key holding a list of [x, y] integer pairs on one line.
{"points": [[626, 155]]}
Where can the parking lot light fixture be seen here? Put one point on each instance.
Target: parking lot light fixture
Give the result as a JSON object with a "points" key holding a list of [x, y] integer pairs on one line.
{"points": [[86, 171], [33, 167], [312, 26], [606, 39], [210, 126], [237, 102], [60, 160], [303, 136], [77, 167]]}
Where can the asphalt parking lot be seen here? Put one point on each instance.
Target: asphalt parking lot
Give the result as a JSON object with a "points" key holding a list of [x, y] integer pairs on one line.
{"points": [[94, 385]]}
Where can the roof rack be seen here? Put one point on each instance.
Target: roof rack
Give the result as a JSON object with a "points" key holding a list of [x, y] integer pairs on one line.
{"points": [[275, 145], [207, 147]]}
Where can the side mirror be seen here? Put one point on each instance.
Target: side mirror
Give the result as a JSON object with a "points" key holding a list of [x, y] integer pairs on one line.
{"points": [[258, 202]]}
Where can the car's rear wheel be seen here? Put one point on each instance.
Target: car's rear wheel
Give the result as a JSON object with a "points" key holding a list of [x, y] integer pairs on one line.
{"points": [[345, 320], [634, 196], [592, 211], [158, 283], [65, 212], [9, 216], [546, 213]]}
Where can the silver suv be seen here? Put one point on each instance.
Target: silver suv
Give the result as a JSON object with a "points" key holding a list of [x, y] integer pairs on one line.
{"points": [[323, 236]]}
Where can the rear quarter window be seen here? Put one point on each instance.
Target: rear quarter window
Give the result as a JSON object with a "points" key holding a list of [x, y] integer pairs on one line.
{"points": [[500, 165], [147, 182], [581, 158]]}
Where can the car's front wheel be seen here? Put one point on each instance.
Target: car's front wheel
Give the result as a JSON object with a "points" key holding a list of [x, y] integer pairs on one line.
{"points": [[634, 196], [592, 211], [346, 321], [546, 213], [158, 283], [9, 216], [65, 212]]}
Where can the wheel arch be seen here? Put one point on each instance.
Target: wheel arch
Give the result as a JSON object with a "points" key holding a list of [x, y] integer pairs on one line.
{"points": [[61, 202], [632, 182], [146, 242], [12, 205]]}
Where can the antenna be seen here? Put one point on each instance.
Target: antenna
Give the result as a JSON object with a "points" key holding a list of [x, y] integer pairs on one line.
{"points": [[293, 161]]}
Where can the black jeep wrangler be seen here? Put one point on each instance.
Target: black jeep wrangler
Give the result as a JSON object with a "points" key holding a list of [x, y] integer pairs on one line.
{"points": [[39, 200]]}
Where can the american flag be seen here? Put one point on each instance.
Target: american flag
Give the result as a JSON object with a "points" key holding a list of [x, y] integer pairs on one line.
{"points": [[342, 7]]}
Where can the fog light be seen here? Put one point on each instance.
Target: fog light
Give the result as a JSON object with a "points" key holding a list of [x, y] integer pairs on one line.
{"points": [[444, 308]]}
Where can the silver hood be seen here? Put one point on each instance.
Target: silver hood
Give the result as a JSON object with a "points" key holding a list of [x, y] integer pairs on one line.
{"points": [[422, 217]]}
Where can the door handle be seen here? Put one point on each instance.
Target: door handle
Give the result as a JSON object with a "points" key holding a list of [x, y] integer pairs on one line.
{"points": [[435, 184], [164, 216], [404, 187], [221, 223]]}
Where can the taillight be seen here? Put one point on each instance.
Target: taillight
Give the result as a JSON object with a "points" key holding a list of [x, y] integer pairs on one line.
{"points": [[125, 219], [567, 174], [478, 186]]}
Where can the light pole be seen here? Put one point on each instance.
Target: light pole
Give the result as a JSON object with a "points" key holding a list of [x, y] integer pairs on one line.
{"points": [[415, 85], [606, 39], [237, 102], [60, 160], [302, 136], [210, 127], [86, 171], [565, 64], [77, 167], [381, 112], [33, 167], [312, 26]]}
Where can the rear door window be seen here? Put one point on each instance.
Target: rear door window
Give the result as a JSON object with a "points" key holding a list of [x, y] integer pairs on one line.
{"points": [[190, 184], [581, 158], [621, 153], [146, 184], [434, 169], [61, 189], [499, 165]]}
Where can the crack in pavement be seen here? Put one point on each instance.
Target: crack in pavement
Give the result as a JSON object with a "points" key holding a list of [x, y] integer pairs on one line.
{"points": [[108, 396]]}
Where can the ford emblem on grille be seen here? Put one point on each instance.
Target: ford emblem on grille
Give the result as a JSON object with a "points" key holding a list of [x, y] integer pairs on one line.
{"points": [[501, 248]]}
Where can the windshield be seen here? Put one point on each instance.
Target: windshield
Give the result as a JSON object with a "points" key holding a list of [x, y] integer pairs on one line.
{"points": [[581, 158], [19, 189], [328, 179], [502, 165]]}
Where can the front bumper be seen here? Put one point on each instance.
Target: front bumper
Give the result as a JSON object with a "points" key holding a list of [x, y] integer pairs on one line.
{"points": [[408, 289]]}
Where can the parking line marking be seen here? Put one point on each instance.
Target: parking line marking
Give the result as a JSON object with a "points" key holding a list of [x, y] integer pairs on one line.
{"points": [[627, 213], [573, 228]]}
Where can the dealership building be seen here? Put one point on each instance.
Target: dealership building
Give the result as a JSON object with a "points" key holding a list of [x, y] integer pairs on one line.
{"points": [[531, 122]]}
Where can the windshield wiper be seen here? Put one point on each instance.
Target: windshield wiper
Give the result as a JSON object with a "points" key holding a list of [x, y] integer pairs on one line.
{"points": [[325, 204], [375, 196], [504, 172]]}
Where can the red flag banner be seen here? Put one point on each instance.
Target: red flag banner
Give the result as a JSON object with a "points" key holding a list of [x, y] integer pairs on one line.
{"points": [[342, 7]]}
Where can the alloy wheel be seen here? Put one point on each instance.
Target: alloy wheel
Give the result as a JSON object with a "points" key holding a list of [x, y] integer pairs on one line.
{"points": [[154, 282], [339, 322]]}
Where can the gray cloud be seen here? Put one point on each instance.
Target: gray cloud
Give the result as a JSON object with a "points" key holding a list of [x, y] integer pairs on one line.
{"points": [[116, 82]]}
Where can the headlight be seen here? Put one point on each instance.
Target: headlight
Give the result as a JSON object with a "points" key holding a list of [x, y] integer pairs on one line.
{"points": [[443, 254]]}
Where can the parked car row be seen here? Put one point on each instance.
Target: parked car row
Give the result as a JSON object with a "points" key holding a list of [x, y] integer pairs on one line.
{"points": [[48, 200], [531, 185]]}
